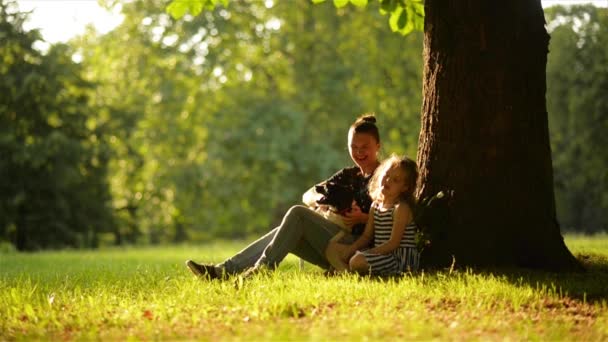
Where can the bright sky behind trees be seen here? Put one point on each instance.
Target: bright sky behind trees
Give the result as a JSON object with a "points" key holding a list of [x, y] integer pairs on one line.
{"points": [[59, 20]]}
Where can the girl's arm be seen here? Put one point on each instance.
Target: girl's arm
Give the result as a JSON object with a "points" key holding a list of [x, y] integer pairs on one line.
{"points": [[403, 216]]}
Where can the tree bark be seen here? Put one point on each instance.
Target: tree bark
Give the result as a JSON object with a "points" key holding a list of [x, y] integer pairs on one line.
{"points": [[484, 134]]}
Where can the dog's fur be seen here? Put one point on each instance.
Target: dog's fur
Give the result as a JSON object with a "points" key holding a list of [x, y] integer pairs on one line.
{"points": [[339, 199]]}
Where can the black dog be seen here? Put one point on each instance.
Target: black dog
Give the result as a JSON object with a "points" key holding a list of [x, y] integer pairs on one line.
{"points": [[337, 196]]}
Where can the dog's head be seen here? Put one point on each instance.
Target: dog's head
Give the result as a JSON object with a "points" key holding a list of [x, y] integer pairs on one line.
{"points": [[338, 196]]}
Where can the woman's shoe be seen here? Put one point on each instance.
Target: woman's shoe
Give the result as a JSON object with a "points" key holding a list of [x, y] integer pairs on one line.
{"points": [[202, 271]]}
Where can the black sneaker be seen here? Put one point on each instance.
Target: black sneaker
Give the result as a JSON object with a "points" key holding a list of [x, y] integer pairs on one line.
{"points": [[202, 271]]}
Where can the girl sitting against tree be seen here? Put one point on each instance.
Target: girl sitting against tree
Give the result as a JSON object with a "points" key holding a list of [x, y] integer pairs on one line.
{"points": [[390, 225]]}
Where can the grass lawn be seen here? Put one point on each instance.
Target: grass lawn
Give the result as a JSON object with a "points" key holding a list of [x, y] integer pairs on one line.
{"points": [[148, 294]]}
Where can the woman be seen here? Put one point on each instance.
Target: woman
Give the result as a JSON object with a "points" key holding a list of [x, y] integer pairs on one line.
{"points": [[303, 231]]}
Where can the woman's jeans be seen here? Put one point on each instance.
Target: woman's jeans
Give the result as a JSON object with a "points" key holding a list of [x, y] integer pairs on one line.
{"points": [[303, 232]]}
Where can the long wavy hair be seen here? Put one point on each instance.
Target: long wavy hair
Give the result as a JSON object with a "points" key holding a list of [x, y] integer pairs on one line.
{"points": [[410, 169]]}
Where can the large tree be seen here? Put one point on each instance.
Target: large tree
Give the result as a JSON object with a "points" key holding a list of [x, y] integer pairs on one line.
{"points": [[484, 131]]}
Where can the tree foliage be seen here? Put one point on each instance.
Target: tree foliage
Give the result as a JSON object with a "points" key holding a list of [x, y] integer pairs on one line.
{"points": [[233, 114], [53, 166], [405, 16]]}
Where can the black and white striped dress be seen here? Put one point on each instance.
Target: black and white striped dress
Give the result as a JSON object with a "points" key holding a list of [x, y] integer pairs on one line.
{"points": [[403, 259]]}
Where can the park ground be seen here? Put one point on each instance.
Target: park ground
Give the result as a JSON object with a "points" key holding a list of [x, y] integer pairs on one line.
{"points": [[144, 293]]}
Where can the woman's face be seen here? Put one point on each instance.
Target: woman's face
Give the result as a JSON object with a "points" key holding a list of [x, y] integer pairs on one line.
{"points": [[363, 149]]}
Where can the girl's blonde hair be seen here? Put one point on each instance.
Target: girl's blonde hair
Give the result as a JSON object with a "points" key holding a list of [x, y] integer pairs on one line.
{"points": [[411, 176]]}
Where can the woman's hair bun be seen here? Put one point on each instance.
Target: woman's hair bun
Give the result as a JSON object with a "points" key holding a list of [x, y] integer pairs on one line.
{"points": [[371, 118], [366, 123]]}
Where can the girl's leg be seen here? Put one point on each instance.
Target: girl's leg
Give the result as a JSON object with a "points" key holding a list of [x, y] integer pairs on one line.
{"points": [[334, 257], [358, 263], [299, 225], [378, 264]]}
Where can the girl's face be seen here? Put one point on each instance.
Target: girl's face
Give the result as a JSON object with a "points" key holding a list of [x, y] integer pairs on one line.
{"points": [[393, 183], [363, 149]]}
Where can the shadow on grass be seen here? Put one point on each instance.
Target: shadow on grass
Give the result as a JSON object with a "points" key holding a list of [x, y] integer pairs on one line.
{"points": [[590, 286]]}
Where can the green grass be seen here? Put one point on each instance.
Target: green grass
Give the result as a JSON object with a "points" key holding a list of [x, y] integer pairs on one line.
{"points": [[147, 294]]}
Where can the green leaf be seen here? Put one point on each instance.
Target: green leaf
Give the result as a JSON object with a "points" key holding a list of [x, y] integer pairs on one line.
{"points": [[388, 5], [220, 2], [359, 3], [317, 1], [178, 8], [340, 3], [417, 8], [406, 19], [196, 7], [394, 19], [402, 20], [416, 14]]}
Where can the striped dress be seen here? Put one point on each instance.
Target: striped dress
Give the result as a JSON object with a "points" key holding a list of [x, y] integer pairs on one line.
{"points": [[403, 259]]}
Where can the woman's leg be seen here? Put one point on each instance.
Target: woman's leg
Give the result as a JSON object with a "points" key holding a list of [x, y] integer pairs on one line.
{"points": [[302, 231], [305, 251], [248, 256]]}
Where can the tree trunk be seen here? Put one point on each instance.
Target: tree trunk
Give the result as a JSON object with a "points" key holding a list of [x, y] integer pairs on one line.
{"points": [[484, 134]]}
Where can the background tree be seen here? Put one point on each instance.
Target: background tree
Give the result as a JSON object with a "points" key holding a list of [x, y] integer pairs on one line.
{"points": [[52, 181], [218, 124], [577, 83]]}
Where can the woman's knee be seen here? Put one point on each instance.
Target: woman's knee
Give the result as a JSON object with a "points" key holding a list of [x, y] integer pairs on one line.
{"points": [[358, 263], [292, 217], [297, 211]]}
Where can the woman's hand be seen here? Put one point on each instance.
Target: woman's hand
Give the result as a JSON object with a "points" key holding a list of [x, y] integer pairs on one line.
{"points": [[355, 216], [322, 208]]}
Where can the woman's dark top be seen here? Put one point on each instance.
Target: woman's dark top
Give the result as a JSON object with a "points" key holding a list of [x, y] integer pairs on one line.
{"points": [[352, 177]]}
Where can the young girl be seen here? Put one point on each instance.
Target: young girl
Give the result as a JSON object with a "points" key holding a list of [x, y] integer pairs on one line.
{"points": [[390, 224]]}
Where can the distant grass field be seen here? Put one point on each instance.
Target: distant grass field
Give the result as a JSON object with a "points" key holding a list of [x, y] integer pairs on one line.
{"points": [[148, 294]]}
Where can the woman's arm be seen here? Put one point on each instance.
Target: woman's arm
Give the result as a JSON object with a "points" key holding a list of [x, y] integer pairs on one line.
{"points": [[355, 216], [403, 216], [367, 236], [311, 196]]}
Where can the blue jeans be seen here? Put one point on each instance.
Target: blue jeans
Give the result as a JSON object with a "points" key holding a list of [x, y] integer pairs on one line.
{"points": [[302, 232]]}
